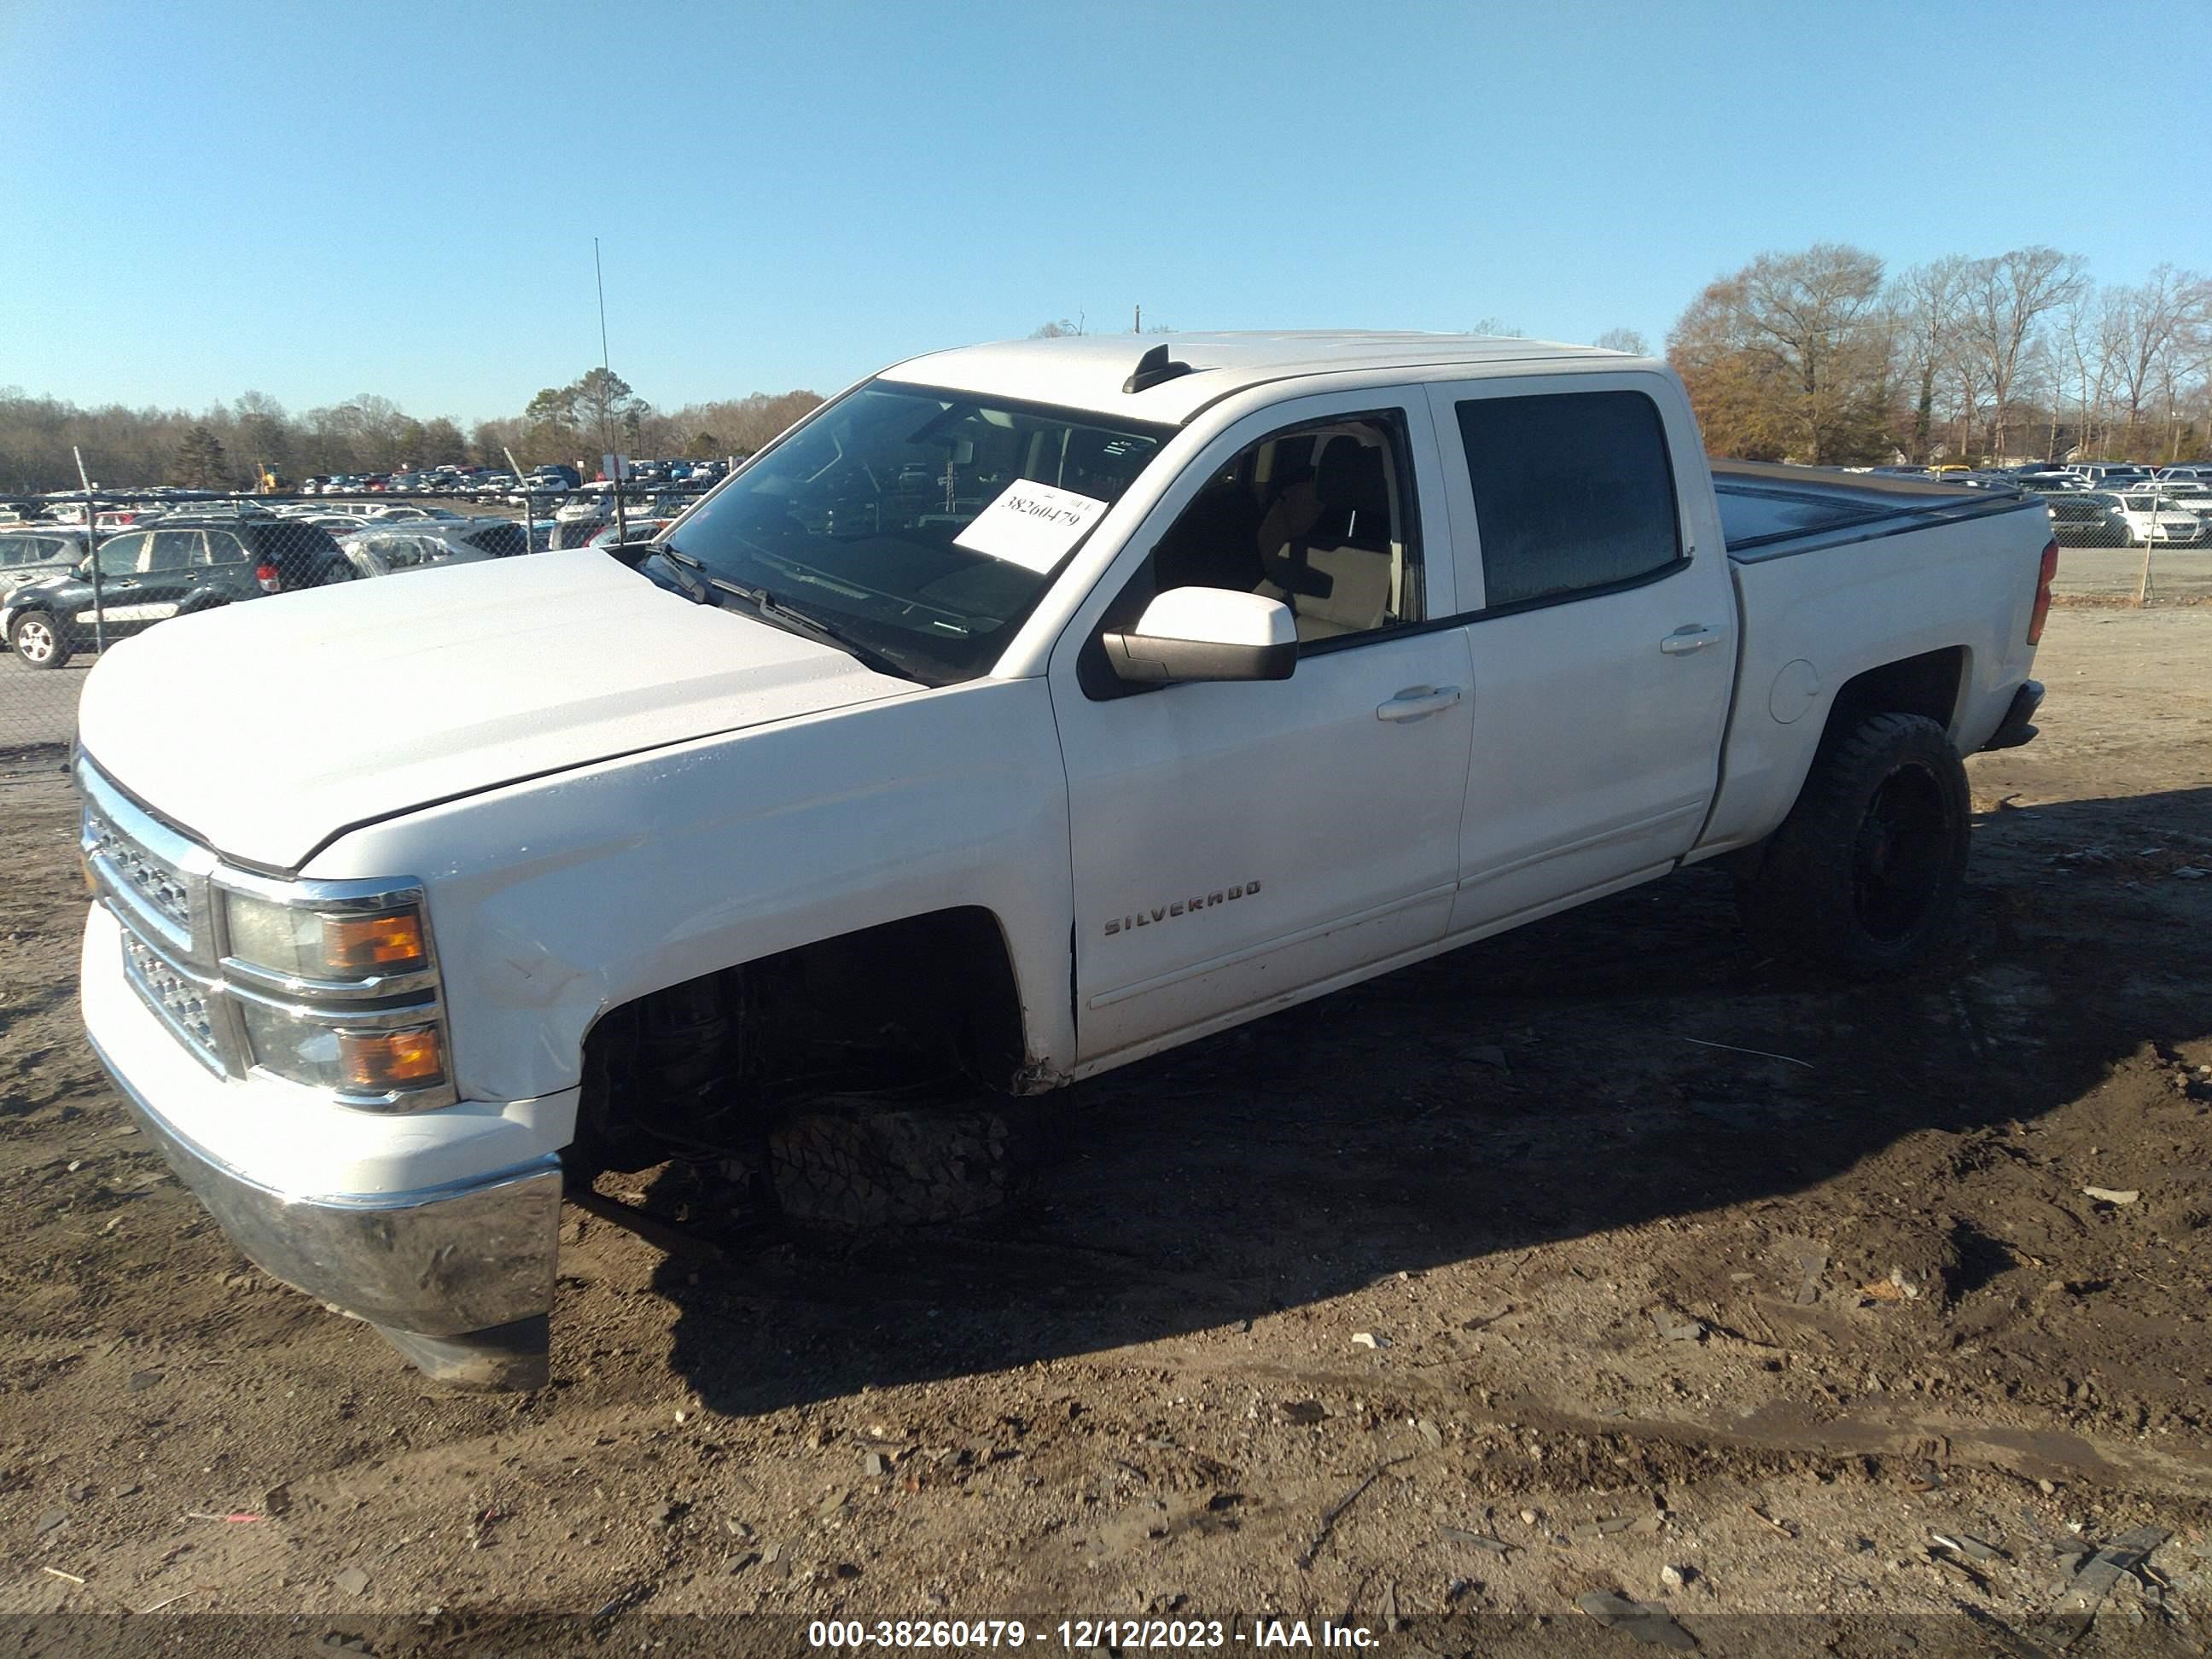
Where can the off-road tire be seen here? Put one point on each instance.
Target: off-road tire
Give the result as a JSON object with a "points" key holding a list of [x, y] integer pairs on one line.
{"points": [[1864, 875], [860, 1164], [57, 649]]}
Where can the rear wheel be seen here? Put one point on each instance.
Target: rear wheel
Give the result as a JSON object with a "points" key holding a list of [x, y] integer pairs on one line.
{"points": [[1865, 873], [39, 640]]}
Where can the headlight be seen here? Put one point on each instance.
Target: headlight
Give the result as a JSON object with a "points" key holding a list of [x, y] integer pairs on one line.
{"points": [[336, 986], [291, 1048], [384, 1066], [300, 943]]}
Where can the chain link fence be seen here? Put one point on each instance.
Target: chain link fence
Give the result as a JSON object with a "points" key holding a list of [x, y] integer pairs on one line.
{"points": [[2126, 537], [81, 572]]}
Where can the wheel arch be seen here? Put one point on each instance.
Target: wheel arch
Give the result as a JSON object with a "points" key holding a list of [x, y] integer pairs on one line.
{"points": [[1929, 683], [929, 995]]}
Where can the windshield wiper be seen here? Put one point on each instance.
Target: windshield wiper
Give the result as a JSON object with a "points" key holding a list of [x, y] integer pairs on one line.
{"points": [[777, 614], [682, 566]]}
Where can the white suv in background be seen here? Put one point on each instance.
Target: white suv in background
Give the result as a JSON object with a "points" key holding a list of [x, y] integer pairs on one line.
{"points": [[2151, 515]]}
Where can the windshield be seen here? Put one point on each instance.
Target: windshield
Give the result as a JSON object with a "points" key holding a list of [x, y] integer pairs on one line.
{"points": [[893, 516]]}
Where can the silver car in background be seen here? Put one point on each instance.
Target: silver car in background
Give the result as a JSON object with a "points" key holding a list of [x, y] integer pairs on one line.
{"points": [[30, 552]]}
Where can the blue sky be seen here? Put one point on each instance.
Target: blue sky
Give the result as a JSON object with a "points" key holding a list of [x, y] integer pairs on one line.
{"points": [[317, 199]]}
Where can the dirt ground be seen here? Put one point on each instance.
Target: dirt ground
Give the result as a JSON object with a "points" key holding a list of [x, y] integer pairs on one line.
{"points": [[1597, 1250]]}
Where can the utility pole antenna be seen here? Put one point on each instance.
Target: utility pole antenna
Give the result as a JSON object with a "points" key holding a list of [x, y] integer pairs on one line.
{"points": [[1137, 323], [614, 459]]}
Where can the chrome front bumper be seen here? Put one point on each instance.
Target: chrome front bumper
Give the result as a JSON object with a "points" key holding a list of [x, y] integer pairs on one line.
{"points": [[459, 1278]]}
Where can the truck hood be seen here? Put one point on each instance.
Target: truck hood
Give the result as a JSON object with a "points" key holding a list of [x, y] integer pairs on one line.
{"points": [[266, 729]]}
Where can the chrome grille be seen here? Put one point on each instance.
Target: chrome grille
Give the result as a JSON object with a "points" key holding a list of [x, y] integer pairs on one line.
{"points": [[154, 881], [181, 1003], [159, 884]]}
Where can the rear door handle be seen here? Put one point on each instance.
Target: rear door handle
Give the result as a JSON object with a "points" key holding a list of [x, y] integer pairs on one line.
{"points": [[1691, 636], [1417, 702]]}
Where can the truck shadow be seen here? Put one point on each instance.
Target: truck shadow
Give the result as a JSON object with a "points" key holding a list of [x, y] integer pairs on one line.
{"points": [[1586, 1073]]}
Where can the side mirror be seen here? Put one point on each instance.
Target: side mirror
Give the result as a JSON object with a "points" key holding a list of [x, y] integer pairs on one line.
{"points": [[1206, 634]]}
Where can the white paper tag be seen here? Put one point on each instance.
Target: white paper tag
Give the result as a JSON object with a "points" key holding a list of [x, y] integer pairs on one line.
{"points": [[1031, 525]]}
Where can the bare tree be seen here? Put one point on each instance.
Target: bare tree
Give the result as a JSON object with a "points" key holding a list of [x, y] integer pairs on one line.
{"points": [[2004, 302], [1967, 372], [2080, 340], [1624, 339], [1926, 299], [2150, 330]]}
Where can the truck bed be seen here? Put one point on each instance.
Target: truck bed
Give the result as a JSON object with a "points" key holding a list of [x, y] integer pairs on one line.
{"points": [[1771, 512], [1910, 570]]}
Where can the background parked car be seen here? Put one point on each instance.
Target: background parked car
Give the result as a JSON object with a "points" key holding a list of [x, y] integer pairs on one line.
{"points": [[580, 520], [2086, 518], [176, 569], [31, 553], [407, 546], [639, 529], [2110, 474], [394, 552], [2190, 495], [2150, 517]]}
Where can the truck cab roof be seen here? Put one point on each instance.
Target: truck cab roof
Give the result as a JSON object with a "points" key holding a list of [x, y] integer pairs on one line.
{"points": [[1090, 371]]}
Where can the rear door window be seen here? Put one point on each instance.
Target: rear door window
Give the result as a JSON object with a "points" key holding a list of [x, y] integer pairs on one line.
{"points": [[1574, 493], [173, 549], [222, 548]]}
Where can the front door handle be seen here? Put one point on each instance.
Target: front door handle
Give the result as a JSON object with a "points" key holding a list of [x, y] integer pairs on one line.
{"points": [[1417, 702], [1691, 636]]}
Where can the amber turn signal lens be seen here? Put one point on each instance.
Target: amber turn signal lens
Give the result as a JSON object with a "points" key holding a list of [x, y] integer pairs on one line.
{"points": [[373, 1062], [389, 944], [90, 886]]}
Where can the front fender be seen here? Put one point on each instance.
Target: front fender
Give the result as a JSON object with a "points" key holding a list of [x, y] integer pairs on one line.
{"points": [[557, 898]]}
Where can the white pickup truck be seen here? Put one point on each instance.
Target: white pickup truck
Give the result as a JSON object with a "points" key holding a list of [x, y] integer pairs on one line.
{"points": [[1024, 710]]}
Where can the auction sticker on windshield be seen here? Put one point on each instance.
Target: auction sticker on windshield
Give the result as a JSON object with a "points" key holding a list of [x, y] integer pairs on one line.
{"points": [[1031, 525]]}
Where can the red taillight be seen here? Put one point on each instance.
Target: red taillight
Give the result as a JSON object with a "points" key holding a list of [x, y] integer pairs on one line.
{"points": [[2042, 611], [265, 573]]}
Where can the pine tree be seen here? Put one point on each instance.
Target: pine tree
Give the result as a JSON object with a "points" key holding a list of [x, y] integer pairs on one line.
{"points": [[199, 462]]}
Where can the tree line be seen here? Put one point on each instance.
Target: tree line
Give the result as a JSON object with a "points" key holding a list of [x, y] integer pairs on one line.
{"points": [[1822, 356], [1826, 356], [228, 446]]}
